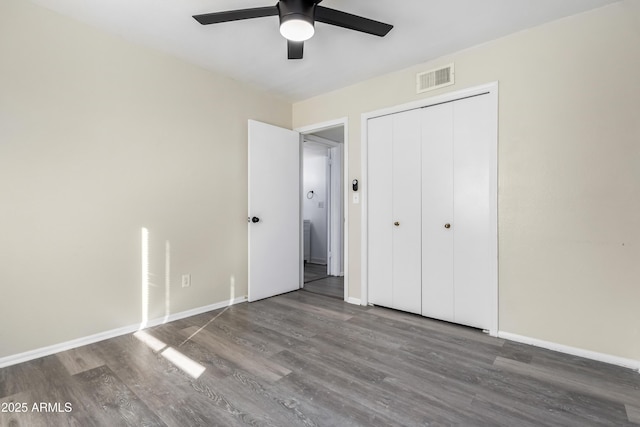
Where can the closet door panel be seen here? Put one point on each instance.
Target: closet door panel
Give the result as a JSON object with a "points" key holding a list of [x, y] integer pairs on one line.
{"points": [[406, 222], [472, 221], [437, 210], [380, 195]]}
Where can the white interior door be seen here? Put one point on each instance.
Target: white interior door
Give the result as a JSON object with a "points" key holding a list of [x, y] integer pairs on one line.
{"points": [[457, 199], [380, 212], [437, 212], [457, 210], [394, 211], [274, 211], [407, 259], [472, 205]]}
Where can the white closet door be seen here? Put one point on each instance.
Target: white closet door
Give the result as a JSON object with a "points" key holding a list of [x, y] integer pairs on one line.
{"points": [[432, 206], [407, 218], [437, 211], [472, 223], [380, 213], [394, 211]]}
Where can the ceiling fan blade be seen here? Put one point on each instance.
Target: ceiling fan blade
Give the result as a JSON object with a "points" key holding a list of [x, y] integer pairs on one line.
{"points": [[294, 49], [236, 15], [352, 22]]}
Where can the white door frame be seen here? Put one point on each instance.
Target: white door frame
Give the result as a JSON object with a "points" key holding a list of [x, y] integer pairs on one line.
{"points": [[335, 221], [335, 230], [305, 130], [492, 90]]}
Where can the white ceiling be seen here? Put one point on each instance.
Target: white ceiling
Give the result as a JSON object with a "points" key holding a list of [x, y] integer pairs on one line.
{"points": [[253, 51]]}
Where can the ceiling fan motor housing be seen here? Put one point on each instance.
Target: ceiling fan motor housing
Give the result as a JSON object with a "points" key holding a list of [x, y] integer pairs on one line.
{"points": [[303, 10]]}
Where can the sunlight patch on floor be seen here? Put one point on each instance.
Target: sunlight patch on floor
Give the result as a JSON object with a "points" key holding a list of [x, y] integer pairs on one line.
{"points": [[180, 360]]}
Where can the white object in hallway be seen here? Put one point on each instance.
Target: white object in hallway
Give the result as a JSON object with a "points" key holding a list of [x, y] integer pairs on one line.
{"points": [[306, 236]]}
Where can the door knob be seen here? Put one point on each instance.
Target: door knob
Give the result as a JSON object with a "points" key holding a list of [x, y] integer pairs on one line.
{"points": [[447, 225], [255, 219], [397, 224]]}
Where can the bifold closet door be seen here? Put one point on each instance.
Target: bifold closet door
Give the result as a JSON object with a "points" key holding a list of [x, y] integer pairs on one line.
{"points": [[380, 213], [394, 211], [456, 211], [437, 212], [473, 223]]}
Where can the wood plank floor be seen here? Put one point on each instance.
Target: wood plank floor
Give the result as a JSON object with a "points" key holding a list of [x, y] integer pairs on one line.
{"points": [[317, 281], [310, 360]]}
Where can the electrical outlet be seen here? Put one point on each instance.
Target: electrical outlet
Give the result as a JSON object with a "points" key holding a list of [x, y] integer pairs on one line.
{"points": [[186, 280]]}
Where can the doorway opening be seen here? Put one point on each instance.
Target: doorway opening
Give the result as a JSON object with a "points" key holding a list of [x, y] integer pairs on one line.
{"points": [[323, 211]]}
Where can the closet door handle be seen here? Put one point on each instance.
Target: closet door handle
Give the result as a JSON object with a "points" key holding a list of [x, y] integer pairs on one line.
{"points": [[447, 225], [397, 224]]}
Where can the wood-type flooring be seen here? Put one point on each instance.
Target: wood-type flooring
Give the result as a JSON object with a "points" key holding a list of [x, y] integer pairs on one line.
{"points": [[302, 359], [317, 281]]}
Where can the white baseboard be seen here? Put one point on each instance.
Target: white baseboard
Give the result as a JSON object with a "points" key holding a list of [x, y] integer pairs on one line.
{"points": [[355, 301], [587, 354], [79, 342]]}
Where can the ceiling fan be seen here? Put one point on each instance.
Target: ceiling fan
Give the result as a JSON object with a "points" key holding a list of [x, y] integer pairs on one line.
{"points": [[297, 19]]}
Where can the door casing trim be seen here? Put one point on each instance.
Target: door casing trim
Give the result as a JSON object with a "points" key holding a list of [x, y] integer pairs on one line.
{"points": [[344, 122]]}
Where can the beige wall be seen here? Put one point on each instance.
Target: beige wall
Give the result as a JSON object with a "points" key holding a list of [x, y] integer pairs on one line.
{"points": [[99, 138], [569, 172]]}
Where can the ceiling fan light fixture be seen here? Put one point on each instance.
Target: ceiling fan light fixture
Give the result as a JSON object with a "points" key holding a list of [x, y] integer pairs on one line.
{"points": [[297, 20], [296, 27]]}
